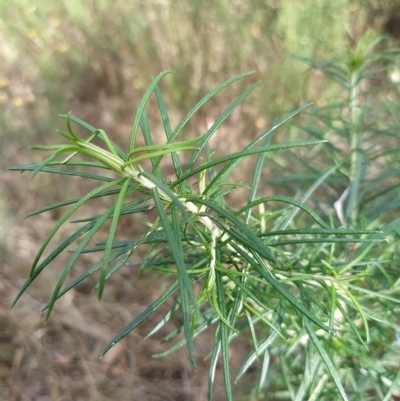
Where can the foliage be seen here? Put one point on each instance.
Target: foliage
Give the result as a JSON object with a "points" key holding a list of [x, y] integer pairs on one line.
{"points": [[314, 299], [361, 123]]}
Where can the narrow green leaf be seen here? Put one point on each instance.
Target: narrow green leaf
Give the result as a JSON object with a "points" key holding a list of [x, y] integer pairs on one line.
{"points": [[235, 309], [175, 306], [65, 218], [61, 149], [50, 258], [259, 265], [64, 172], [111, 146], [252, 332], [128, 208], [65, 136], [124, 251], [394, 386], [333, 306], [168, 132], [76, 255], [264, 373], [168, 147], [288, 200], [117, 265], [145, 127], [213, 365], [185, 285], [124, 211], [328, 240], [241, 154], [312, 374], [224, 335], [204, 100], [70, 202], [150, 310], [78, 121], [374, 294], [244, 234], [307, 195], [58, 147], [218, 123], [286, 379], [252, 296], [256, 178], [116, 213], [142, 107], [152, 156], [234, 162], [260, 316], [100, 246], [326, 359], [80, 163], [252, 356], [208, 321], [69, 126], [350, 322], [359, 308], [91, 129], [216, 303], [313, 231], [370, 314], [178, 250]]}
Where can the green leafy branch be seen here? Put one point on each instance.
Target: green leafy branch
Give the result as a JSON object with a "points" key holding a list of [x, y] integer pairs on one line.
{"points": [[251, 272]]}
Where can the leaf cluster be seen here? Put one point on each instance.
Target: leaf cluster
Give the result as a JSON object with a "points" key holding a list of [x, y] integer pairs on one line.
{"points": [[273, 270]]}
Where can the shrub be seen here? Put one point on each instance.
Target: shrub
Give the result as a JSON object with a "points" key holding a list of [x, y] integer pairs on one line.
{"points": [[314, 299]]}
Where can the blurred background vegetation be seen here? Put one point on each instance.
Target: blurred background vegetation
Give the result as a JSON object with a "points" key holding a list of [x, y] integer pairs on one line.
{"points": [[95, 59]]}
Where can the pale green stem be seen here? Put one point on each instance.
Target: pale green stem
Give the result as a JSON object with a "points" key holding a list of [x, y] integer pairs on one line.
{"points": [[189, 206], [356, 143]]}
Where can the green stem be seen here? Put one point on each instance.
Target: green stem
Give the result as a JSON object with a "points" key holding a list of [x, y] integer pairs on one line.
{"points": [[356, 144]]}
